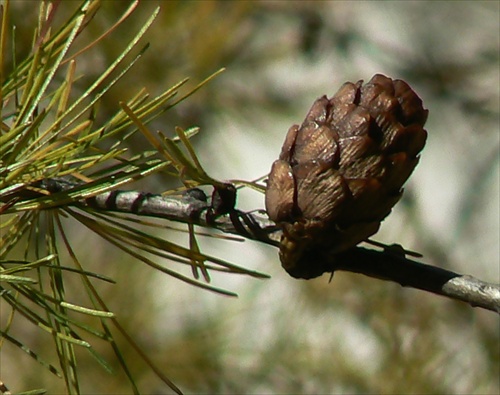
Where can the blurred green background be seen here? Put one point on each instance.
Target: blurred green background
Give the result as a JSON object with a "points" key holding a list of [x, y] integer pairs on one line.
{"points": [[355, 334]]}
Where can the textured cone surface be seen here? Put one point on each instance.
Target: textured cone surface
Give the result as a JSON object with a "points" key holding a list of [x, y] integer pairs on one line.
{"points": [[340, 173]]}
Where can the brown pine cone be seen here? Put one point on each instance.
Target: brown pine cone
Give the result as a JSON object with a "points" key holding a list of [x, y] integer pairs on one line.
{"points": [[340, 173]]}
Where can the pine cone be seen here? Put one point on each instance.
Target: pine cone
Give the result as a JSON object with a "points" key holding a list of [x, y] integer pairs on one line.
{"points": [[340, 173]]}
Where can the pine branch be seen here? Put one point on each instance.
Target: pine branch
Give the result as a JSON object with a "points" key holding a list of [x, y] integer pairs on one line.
{"points": [[389, 264], [192, 207]]}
